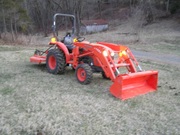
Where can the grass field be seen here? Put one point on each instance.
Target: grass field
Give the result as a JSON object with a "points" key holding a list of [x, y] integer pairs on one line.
{"points": [[32, 100]]}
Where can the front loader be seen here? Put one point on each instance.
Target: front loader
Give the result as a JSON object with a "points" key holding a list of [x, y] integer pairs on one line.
{"points": [[101, 57]]}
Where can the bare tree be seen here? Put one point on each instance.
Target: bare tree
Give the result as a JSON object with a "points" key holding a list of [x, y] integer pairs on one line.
{"points": [[167, 6], [12, 15]]}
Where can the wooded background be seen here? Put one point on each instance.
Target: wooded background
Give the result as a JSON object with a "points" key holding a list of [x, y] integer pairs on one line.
{"points": [[35, 16]]}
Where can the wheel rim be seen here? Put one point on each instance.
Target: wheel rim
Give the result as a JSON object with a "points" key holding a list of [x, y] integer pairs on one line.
{"points": [[52, 62], [81, 74]]}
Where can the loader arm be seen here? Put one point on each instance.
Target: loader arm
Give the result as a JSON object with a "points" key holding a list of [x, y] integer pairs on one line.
{"points": [[105, 62], [131, 58], [128, 85]]}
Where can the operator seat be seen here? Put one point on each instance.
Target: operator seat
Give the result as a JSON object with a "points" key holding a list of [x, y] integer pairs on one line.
{"points": [[68, 41]]}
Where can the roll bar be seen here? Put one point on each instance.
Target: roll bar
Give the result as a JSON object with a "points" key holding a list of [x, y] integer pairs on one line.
{"points": [[65, 15]]}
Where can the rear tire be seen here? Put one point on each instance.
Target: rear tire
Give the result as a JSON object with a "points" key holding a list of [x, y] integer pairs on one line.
{"points": [[84, 74], [55, 61]]}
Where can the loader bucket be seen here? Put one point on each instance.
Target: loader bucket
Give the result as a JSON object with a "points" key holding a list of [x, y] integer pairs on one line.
{"points": [[134, 84]]}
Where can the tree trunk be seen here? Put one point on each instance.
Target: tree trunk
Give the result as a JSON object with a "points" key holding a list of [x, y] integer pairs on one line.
{"points": [[167, 6], [130, 4], [4, 22], [77, 23], [77, 13], [12, 31], [99, 9], [15, 25]]}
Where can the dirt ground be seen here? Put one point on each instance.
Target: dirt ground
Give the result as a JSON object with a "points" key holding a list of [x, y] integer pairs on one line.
{"points": [[33, 101]]}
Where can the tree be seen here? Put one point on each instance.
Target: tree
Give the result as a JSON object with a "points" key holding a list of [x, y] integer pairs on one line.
{"points": [[14, 16], [40, 12], [74, 7]]}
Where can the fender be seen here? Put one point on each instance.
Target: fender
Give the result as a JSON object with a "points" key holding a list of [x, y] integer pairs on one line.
{"points": [[64, 49]]}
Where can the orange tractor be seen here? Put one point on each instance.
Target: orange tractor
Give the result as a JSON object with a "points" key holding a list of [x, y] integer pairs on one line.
{"points": [[106, 58]]}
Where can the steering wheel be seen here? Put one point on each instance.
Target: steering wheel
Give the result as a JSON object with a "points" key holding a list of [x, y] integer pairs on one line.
{"points": [[80, 39]]}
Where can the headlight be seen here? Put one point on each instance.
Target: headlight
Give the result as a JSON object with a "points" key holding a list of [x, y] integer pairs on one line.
{"points": [[105, 53], [112, 54]]}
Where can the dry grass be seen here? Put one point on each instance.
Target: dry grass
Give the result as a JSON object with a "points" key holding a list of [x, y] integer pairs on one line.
{"points": [[32, 100], [160, 37]]}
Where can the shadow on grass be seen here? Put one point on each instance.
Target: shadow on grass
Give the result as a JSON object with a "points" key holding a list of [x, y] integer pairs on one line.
{"points": [[98, 88], [40, 67]]}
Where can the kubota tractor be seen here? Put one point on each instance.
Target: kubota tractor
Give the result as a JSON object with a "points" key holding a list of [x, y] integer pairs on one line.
{"points": [[106, 58]]}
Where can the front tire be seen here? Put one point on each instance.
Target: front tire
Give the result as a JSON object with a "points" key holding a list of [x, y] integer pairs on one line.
{"points": [[55, 61], [104, 75], [84, 73]]}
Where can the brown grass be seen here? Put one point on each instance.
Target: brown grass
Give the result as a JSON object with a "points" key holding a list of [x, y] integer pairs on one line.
{"points": [[32, 100]]}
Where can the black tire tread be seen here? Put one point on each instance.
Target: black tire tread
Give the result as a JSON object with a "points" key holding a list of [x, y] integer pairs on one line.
{"points": [[89, 73], [104, 75], [60, 61]]}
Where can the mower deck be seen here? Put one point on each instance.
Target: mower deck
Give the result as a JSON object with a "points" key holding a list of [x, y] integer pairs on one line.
{"points": [[38, 59]]}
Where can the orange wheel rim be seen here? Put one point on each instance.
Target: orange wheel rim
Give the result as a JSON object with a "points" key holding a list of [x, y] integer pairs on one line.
{"points": [[81, 74], [52, 62]]}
